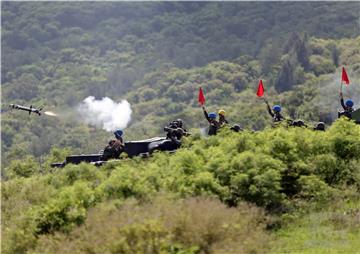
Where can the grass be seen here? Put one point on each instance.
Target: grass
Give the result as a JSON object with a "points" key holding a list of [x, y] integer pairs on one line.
{"points": [[193, 225], [332, 230]]}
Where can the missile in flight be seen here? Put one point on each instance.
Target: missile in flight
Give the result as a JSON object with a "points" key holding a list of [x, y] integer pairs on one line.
{"points": [[30, 109]]}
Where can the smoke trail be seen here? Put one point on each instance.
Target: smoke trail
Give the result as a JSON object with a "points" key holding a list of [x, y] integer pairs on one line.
{"points": [[105, 113]]}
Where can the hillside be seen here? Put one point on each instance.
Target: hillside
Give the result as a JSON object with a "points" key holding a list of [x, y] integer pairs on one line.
{"points": [[288, 173], [262, 190], [156, 55]]}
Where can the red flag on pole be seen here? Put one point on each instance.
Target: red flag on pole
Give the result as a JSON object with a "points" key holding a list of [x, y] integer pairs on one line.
{"points": [[344, 77], [201, 97], [260, 90]]}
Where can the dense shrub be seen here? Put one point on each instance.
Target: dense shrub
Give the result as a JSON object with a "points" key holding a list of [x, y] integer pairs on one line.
{"points": [[279, 169], [258, 179], [311, 187], [196, 225], [65, 211], [126, 182], [23, 168]]}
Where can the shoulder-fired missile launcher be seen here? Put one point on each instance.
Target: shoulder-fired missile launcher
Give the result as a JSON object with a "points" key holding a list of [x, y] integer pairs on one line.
{"points": [[30, 109]]}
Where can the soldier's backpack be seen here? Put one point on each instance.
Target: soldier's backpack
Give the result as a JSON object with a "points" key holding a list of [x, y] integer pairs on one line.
{"points": [[112, 150]]}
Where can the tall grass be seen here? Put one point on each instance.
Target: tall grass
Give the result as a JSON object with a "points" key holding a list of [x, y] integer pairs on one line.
{"points": [[192, 225]]}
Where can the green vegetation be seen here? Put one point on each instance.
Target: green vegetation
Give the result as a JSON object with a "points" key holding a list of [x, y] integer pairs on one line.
{"points": [[264, 190], [164, 226], [156, 55], [332, 229], [290, 173]]}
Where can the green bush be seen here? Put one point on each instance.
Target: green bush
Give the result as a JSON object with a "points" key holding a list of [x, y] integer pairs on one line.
{"points": [[312, 188], [196, 225], [258, 179], [327, 167], [64, 212], [344, 139], [126, 182], [22, 168], [84, 171]]}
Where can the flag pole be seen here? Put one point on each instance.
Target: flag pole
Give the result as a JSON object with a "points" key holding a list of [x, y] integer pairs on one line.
{"points": [[264, 100], [341, 80], [341, 85]]}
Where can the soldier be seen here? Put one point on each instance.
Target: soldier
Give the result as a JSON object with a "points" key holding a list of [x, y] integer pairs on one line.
{"points": [[320, 126], [174, 133], [180, 125], [347, 106], [275, 114], [222, 120], [115, 147], [175, 130], [211, 118], [236, 128], [298, 123]]}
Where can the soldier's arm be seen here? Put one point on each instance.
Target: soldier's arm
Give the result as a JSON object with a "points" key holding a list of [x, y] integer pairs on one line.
{"points": [[206, 114], [342, 101], [119, 144], [269, 110]]}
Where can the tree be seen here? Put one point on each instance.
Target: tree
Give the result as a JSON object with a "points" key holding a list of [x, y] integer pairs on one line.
{"points": [[26, 88], [335, 54], [302, 52], [285, 79]]}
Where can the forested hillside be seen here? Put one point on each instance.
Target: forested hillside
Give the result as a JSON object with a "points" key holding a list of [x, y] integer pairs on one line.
{"points": [[156, 55], [263, 190]]}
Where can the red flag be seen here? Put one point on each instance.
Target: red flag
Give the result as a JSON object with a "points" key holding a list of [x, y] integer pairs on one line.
{"points": [[201, 97], [260, 90], [344, 77]]}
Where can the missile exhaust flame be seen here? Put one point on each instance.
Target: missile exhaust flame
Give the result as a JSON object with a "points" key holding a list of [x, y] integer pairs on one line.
{"points": [[49, 113]]}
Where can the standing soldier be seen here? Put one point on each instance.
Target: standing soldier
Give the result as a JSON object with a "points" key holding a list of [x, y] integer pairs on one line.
{"points": [[211, 118], [347, 106], [222, 120], [275, 112]]}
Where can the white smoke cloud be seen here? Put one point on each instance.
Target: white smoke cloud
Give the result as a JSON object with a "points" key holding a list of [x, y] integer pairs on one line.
{"points": [[105, 113]]}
